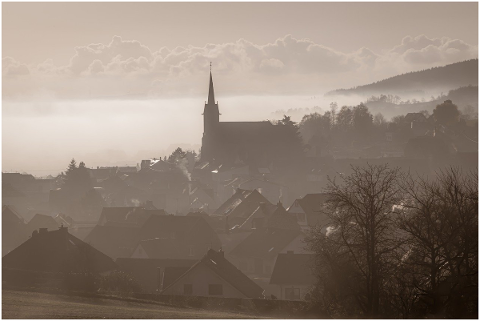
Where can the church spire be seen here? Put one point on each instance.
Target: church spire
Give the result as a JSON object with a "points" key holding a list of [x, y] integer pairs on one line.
{"points": [[211, 93]]}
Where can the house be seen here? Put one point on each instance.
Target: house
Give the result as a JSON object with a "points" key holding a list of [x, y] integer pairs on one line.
{"points": [[212, 276], [268, 216], [202, 198], [175, 237], [42, 221], [115, 241], [272, 191], [158, 165], [126, 216], [14, 229], [240, 206], [149, 272], [294, 275], [257, 253], [224, 172], [215, 222], [415, 117], [308, 210], [57, 251]]}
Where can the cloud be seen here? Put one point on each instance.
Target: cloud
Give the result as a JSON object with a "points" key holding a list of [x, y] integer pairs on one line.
{"points": [[425, 51], [12, 68], [286, 66]]}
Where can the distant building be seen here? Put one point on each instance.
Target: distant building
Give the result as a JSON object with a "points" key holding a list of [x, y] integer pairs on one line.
{"points": [[308, 210], [126, 216], [57, 251], [14, 229], [149, 273], [256, 254], [254, 143], [175, 237], [212, 276], [294, 275], [42, 221], [272, 191]]}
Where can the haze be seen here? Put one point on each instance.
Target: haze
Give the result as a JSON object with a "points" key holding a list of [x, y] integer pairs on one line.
{"points": [[114, 80]]}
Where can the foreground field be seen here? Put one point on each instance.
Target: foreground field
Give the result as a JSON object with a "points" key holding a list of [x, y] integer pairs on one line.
{"points": [[32, 305]]}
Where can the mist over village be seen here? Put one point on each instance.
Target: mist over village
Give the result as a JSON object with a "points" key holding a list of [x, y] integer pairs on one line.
{"points": [[239, 160]]}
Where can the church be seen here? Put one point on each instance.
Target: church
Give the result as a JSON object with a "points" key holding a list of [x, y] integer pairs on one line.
{"points": [[253, 143]]}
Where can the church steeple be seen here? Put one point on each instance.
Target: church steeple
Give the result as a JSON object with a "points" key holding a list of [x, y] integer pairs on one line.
{"points": [[210, 113], [211, 92]]}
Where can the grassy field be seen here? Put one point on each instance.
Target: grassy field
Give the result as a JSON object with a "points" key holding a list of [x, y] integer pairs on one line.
{"points": [[32, 305]]}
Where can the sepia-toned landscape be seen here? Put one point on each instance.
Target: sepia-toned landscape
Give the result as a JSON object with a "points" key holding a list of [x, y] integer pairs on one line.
{"points": [[239, 160]]}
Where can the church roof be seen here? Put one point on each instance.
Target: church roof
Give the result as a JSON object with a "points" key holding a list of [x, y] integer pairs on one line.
{"points": [[211, 91]]}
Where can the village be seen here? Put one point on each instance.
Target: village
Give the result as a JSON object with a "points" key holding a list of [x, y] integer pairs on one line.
{"points": [[231, 222]]}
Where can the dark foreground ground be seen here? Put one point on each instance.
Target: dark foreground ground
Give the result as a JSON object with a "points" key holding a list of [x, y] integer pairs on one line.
{"points": [[33, 305]]}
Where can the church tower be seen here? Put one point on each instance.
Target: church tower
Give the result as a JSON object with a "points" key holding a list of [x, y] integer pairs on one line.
{"points": [[210, 112], [211, 117]]}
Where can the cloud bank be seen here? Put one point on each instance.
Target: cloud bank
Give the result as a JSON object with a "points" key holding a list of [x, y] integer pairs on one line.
{"points": [[288, 66]]}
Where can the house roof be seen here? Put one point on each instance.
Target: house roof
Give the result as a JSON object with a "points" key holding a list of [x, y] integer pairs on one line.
{"points": [[191, 228], [265, 243], [312, 205], [415, 117], [57, 251], [228, 272], [14, 229], [11, 216], [172, 273], [42, 221], [115, 241], [280, 219], [146, 271], [294, 269], [273, 216], [242, 204], [126, 215]]}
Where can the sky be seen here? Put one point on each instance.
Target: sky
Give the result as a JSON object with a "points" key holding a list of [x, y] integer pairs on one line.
{"points": [[73, 66]]}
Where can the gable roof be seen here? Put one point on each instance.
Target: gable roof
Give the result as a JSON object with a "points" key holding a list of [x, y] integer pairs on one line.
{"points": [[146, 271], [295, 269], [11, 216], [42, 221], [242, 204], [172, 273], [266, 243], [272, 216], [192, 228], [115, 241], [57, 251], [280, 219], [312, 205], [14, 229], [124, 216], [228, 272]]}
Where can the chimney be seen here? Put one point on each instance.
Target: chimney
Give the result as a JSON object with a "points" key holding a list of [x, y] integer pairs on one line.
{"points": [[42, 230]]}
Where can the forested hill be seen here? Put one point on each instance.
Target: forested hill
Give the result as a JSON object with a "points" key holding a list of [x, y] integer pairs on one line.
{"points": [[438, 78]]}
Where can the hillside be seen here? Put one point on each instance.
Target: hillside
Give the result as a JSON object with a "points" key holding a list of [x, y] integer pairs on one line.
{"points": [[419, 82], [462, 97]]}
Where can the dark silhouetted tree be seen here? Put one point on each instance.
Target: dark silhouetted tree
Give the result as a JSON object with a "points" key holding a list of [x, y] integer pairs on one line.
{"points": [[357, 255], [446, 113]]}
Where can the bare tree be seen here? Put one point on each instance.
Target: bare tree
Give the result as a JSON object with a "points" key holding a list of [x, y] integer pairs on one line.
{"points": [[441, 220], [361, 241]]}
